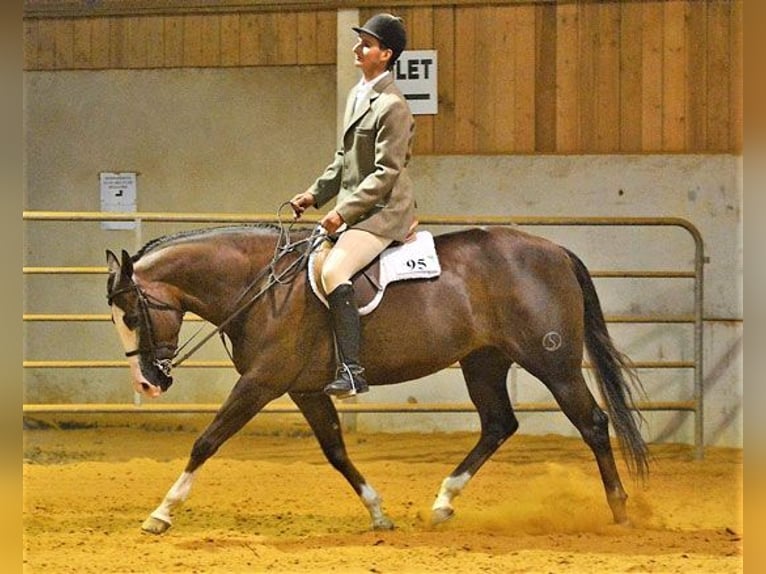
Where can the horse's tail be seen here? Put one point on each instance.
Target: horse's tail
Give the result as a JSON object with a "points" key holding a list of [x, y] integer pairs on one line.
{"points": [[611, 369]]}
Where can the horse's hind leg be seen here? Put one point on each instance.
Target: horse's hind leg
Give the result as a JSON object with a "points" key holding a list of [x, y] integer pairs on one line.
{"points": [[578, 404], [323, 419], [485, 373]]}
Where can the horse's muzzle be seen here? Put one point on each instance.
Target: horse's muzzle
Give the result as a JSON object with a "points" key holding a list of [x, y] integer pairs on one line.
{"points": [[148, 389]]}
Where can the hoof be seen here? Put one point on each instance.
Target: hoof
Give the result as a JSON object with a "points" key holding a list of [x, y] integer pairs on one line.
{"points": [[384, 523], [439, 515], [155, 525]]}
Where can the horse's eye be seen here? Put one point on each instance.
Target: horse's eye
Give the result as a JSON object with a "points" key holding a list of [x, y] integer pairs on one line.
{"points": [[131, 321]]}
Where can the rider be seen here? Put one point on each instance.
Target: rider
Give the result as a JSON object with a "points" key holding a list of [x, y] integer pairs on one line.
{"points": [[375, 204]]}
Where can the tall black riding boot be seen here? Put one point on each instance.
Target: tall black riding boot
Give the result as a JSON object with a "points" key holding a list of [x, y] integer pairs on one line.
{"points": [[348, 333]]}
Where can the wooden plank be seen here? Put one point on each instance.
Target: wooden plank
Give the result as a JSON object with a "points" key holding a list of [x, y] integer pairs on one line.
{"points": [[250, 40], [420, 28], [136, 43], [307, 49], [465, 80], [444, 43], [192, 40], [81, 58], [526, 69], [117, 42], [652, 87], [211, 41], [631, 37], [100, 29], [174, 41], [155, 41], [544, 80], [675, 77], [607, 79], [587, 97], [286, 30], [63, 44], [485, 89], [230, 39], [736, 82], [696, 91], [327, 37], [504, 69], [567, 78], [718, 89], [268, 53]]}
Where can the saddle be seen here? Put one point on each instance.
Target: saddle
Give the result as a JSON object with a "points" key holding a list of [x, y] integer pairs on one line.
{"points": [[414, 259]]}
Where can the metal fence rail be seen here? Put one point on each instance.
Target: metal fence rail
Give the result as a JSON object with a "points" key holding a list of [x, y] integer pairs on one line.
{"points": [[694, 405]]}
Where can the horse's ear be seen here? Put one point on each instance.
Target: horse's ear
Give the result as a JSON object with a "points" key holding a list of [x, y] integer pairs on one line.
{"points": [[119, 271], [127, 265], [112, 263]]}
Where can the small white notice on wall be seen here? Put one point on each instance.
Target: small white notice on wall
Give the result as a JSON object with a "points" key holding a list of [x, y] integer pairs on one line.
{"points": [[415, 74], [118, 195]]}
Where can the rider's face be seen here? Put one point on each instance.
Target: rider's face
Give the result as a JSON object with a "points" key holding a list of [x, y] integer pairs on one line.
{"points": [[370, 56]]}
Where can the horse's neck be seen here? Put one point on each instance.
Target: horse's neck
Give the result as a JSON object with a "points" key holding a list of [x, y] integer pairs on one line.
{"points": [[209, 280]]}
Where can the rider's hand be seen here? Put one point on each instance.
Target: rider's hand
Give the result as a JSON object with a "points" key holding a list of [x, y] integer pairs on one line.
{"points": [[332, 221], [300, 202]]}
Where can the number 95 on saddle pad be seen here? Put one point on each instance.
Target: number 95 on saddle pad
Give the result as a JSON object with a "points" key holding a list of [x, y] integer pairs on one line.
{"points": [[416, 259]]}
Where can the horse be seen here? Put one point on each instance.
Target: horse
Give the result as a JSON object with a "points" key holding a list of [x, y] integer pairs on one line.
{"points": [[504, 296]]}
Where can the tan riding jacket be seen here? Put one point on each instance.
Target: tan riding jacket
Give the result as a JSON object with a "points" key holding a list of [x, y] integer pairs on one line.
{"points": [[369, 173]]}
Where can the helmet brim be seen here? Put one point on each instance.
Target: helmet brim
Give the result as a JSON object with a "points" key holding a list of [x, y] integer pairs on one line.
{"points": [[362, 30]]}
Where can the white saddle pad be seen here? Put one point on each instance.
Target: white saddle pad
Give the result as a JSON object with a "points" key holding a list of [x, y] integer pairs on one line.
{"points": [[416, 259]]}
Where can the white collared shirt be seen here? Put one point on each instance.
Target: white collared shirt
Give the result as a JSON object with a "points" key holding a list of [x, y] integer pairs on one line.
{"points": [[363, 88]]}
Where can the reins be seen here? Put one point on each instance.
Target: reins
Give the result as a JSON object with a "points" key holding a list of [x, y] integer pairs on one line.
{"points": [[272, 277]]}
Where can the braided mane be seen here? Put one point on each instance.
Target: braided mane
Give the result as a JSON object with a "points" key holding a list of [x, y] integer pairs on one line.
{"points": [[191, 234]]}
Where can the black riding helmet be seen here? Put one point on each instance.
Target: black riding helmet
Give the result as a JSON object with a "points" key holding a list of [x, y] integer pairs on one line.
{"points": [[389, 30]]}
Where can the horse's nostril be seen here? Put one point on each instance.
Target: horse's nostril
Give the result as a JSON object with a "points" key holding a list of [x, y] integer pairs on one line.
{"points": [[145, 387]]}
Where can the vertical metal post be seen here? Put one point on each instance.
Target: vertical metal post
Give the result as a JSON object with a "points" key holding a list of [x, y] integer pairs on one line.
{"points": [[346, 75], [699, 327], [138, 242]]}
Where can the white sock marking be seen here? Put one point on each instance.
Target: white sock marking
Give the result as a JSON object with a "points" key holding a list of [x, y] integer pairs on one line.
{"points": [[451, 487], [177, 494]]}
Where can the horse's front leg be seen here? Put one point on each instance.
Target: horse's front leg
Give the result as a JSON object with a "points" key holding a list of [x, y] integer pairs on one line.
{"points": [[323, 419], [244, 402], [160, 520]]}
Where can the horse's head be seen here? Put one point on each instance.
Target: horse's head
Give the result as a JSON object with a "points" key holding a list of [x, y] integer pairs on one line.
{"points": [[148, 324]]}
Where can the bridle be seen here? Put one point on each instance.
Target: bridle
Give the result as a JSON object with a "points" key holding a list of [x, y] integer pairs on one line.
{"points": [[269, 276], [146, 301]]}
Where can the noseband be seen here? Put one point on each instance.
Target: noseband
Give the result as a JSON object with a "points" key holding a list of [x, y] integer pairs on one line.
{"points": [[146, 302]]}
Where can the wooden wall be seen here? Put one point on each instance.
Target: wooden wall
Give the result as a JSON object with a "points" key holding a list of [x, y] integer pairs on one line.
{"points": [[173, 41], [569, 77]]}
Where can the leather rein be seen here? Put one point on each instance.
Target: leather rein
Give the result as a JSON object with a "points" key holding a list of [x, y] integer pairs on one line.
{"points": [[245, 299]]}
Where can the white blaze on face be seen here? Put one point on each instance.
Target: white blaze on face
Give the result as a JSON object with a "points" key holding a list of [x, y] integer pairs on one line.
{"points": [[130, 343]]}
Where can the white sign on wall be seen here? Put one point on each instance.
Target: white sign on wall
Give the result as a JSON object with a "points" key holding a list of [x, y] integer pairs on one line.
{"points": [[118, 195], [415, 73]]}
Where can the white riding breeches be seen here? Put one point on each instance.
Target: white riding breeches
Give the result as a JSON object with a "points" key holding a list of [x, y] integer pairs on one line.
{"points": [[353, 251]]}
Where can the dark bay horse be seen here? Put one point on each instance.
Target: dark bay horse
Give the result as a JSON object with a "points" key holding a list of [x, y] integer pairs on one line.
{"points": [[503, 296]]}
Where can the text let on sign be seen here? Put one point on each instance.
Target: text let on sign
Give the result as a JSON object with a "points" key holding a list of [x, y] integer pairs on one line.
{"points": [[415, 74]]}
